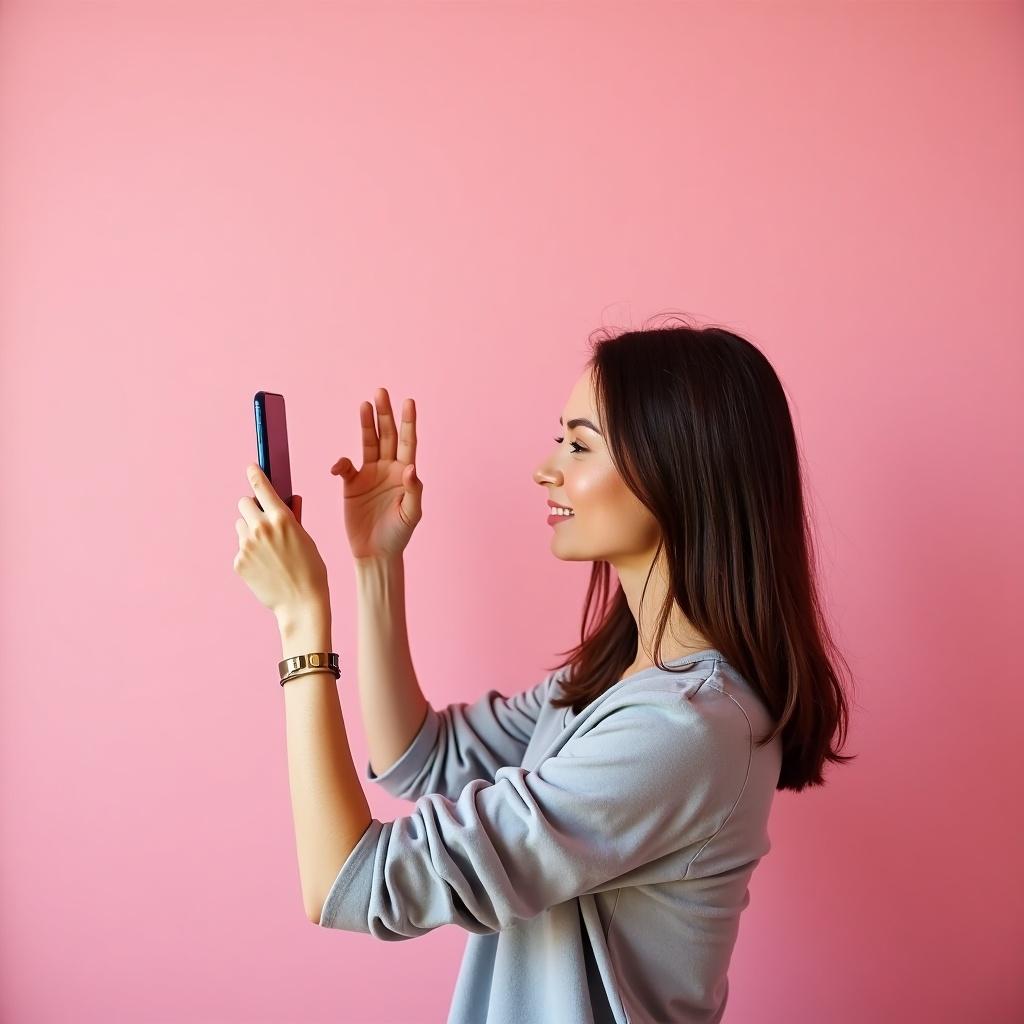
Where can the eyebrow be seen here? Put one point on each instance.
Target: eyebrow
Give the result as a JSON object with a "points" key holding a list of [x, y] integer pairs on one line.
{"points": [[580, 422]]}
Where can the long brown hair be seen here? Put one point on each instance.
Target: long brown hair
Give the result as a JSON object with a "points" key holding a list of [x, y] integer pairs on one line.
{"points": [[698, 427]]}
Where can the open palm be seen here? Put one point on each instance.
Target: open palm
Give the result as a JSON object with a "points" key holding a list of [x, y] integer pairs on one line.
{"points": [[382, 499]]}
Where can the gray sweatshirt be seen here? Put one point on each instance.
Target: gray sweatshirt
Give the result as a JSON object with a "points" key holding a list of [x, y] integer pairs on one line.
{"points": [[599, 862]]}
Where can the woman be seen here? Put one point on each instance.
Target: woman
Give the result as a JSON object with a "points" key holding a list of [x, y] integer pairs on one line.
{"points": [[596, 833]]}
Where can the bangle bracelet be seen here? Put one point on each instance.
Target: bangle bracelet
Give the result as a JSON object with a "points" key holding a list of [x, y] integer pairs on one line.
{"points": [[304, 672], [317, 661]]}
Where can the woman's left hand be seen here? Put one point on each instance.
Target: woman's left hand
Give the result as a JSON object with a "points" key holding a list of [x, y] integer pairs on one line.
{"points": [[276, 557]]}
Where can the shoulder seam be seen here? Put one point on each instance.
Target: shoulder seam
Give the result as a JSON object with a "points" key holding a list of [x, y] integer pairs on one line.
{"points": [[746, 775]]}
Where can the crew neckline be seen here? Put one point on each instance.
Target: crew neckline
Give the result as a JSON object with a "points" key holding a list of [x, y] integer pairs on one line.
{"points": [[708, 654]]}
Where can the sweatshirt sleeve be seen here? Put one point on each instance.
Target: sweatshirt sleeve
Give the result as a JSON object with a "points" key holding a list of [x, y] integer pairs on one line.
{"points": [[648, 778], [463, 742]]}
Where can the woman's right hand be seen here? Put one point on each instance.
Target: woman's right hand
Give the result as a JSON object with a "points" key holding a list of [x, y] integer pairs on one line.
{"points": [[383, 498]]}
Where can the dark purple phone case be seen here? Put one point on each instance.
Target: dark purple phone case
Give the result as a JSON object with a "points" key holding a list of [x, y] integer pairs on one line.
{"points": [[272, 443]]}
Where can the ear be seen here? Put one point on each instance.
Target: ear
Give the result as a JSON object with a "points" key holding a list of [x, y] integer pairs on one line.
{"points": [[296, 507]]}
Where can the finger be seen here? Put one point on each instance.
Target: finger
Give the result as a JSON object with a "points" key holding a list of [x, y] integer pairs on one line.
{"points": [[343, 468], [407, 433], [296, 507], [371, 448], [250, 511], [269, 498], [242, 529], [386, 422]]}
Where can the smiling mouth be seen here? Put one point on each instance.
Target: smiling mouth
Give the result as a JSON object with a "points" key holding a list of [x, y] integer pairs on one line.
{"points": [[560, 517]]}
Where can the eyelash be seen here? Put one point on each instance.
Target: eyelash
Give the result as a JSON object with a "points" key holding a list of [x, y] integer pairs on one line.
{"points": [[576, 451]]}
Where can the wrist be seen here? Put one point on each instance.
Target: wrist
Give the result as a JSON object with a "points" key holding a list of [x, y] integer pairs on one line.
{"points": [[374, 572], [377, 562], [304, 628]]}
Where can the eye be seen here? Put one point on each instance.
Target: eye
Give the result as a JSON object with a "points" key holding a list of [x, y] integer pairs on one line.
{"points": [[576, 450]]}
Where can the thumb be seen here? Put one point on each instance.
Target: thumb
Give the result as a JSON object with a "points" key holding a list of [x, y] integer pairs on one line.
{"points": [[343, 468], [411, 500]]}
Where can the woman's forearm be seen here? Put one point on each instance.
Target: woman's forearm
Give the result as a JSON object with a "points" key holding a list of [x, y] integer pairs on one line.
{"points": [[393, 705], [328, 803]]}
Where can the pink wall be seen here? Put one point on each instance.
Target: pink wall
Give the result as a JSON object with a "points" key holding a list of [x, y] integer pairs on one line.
{"points": [[201, 200]]}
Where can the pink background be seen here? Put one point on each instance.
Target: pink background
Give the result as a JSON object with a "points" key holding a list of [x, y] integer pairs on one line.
{"points": [[201, 200]]}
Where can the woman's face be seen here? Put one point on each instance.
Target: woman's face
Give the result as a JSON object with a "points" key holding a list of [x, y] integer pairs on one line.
{"points": [[609, 522]]}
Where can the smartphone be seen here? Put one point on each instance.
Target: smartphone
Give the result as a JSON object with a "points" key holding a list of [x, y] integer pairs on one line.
{"points": [[272, 443]]}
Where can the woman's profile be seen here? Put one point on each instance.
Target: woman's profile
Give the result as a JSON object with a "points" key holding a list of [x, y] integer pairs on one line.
{"points": [[595, 834]]}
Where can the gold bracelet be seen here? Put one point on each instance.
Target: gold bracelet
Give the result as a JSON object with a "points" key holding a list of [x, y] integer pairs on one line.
{"points": [[318, 661], [304, 672]]}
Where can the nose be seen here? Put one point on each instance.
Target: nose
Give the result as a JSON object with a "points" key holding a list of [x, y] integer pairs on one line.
{"points": [[543, 476]]}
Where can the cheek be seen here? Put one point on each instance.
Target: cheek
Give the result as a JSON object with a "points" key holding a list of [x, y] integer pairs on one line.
{"points": [[601, 498], [597, 489]]}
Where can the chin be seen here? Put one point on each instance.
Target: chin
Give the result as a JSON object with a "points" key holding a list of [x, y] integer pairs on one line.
{"points": [[573, 556]]}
